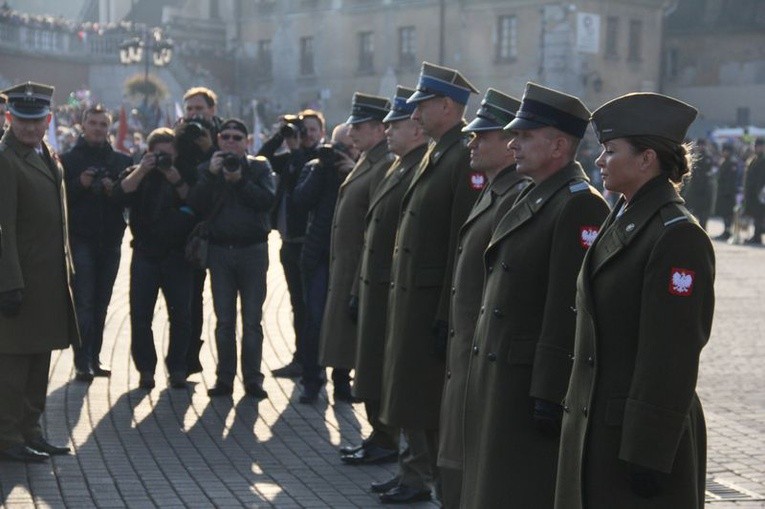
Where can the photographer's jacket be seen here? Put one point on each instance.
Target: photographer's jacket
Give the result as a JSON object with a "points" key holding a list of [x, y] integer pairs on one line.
{"points": [[92, 214], [160, 220], [242, 219]]}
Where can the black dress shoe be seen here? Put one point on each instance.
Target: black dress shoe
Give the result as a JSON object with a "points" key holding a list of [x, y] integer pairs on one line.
{"points": [[102, 372], [372, 454], [42, 445], [403, 494], [352, 449], [344, 395], [291, 370], [255, 390], [177, 380], [385, 486], [21, 452], [83, 376], [220, 389]]}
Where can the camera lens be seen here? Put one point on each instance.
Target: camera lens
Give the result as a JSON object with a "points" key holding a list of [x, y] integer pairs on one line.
{"points": [[231, 162]]}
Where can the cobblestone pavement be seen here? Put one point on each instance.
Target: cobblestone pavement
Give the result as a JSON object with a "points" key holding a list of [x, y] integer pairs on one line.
{"points": [[177, 448]]}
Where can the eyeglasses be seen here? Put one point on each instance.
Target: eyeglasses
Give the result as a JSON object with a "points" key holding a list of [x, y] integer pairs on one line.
{"points": [[235, 137]]}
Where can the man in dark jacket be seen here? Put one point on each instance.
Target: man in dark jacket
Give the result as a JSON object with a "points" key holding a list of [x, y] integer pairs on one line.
{"points": [[316, 194], [301, 134], [235, 193], [727, 188], [160, 222], [96, 225], [754, 191], [699, 191]]}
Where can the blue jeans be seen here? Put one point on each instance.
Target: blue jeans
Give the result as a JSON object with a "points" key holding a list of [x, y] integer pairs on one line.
{"points": [[238, 271], [96, 265], [148, 275]]}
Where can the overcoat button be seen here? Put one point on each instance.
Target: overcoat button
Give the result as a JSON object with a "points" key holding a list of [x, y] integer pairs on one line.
{"points": [[492, 357], [498, 313], [505, 267], [475, 350], [451, 332], [584, 411], [392, 285], [590, 361], [448, 374], [454, 290], [459, 249], [572, 357], [565, 408], [490, 268]]}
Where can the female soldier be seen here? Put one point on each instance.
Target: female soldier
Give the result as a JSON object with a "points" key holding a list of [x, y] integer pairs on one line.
{"points": [[633, 430]]}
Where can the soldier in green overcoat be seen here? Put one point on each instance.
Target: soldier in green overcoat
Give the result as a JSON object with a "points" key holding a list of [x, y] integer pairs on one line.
{"points": [[633, 428], [489, 157], [519, 366], [36, 307]]}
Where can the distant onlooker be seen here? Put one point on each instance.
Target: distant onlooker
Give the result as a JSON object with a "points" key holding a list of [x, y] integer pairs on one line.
{"points": [[698, 190], [754, 191], [727, 187]]}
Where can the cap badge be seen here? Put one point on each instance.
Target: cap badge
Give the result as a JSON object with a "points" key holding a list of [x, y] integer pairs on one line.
{"points": [[29, 91], [681, 282], [539, 200], [587, 235]]}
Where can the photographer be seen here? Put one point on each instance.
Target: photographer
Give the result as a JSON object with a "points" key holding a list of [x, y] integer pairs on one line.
{"points": [[316, 194], [235, 193], [160, 221], [96, 226], [301, 135]]}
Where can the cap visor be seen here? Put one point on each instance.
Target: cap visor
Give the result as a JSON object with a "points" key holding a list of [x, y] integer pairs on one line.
{"points": [[395, 117], [481, 124], [29, 113], [355, 119], [522, 123], [419, 97]]}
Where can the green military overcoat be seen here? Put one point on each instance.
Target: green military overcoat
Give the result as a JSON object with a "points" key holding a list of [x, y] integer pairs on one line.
{"points": [[645, 301], [495, 200], [434, 207], [35, 252], [374, 275], [524, 340], [338, 330]]}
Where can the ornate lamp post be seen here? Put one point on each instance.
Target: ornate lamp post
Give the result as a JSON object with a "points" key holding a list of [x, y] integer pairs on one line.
{"points": [[152, 48]]}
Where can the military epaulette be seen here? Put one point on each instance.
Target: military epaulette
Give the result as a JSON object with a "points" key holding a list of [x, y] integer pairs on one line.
{"points": [[578, 187], [671, 214]]}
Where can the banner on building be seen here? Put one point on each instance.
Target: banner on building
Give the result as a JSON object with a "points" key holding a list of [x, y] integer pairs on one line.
{"points": [[587, 32]]}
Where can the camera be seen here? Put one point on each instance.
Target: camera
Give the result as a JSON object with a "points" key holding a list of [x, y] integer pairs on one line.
{"points": [[163, 160], [293, 126], [328, 153], [231, 162], [98, 174]]}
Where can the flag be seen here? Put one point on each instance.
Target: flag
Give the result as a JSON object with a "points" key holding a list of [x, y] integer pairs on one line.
{"points": [[122, 131], [52, 138]]}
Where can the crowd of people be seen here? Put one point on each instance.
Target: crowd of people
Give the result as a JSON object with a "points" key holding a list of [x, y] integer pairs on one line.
{"points": [[524, 338]]}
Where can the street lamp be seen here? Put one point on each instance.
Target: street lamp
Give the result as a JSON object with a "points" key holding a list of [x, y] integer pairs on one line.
{"points": [[151, 47]]}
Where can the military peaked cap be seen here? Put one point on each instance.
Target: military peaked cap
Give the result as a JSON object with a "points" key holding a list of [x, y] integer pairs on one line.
{"points": [[496, 111], [437, 81], [545, 107], [29, 100], [367, 107], [643, 114], [401, 110]]}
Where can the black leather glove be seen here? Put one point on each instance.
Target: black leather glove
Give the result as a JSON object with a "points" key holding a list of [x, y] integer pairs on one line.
{"points": [[644, 481], [353, 308], [547, 417], [10, 302], [441, 333]]}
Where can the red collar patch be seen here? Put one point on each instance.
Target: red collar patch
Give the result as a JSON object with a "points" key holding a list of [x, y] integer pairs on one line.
{"points": [[477, 180], [681, 282], [587, 235]]}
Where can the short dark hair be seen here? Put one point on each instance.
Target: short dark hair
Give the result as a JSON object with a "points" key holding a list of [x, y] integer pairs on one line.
{"points": [[160, 135], [98, 109]]}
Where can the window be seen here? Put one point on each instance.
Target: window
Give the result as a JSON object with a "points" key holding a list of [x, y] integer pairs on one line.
{"points": [[507, 39], [306, 56], [670, 63], [407, 47], [264, 59], [366, 52], [612, 37], [636, 40]]}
